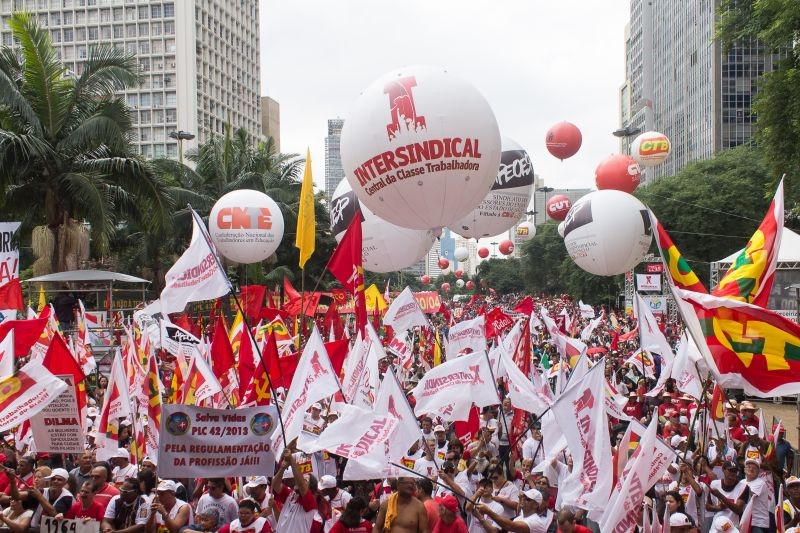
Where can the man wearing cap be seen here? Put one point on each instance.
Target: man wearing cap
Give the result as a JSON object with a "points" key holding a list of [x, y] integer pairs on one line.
{"points": [[168, 514], [680, 523], [760, 494], [753, 447], [735, 427], [257, 490], [217, 498], [727, 496], [123, 469], [534, 517], [483, 495], [53, 500], [722, 524], [791, 505], [634, 407], [748, 411], [449, 519], [313, 422], [441, 442], [337, 497]]}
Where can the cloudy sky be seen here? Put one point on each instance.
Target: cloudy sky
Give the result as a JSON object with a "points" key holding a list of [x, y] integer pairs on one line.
{"points": [[536, 62]]}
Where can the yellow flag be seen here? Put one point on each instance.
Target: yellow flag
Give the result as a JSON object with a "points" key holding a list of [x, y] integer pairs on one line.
{"points": [[373, 296], [437, 351], [304, 239], [42, 299]]}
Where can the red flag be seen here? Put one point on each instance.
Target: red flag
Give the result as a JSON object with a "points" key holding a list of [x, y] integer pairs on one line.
{"points": [[60, 362], [222, 361], [523, 354], [283, 373], [525, 306], [288, 290], [497, 322], [11, 295], [345, 265], [467, 431], [446, 312], [258, 393], [614, 346], [253, 300], [247, 364], [26, 333], [333, 321], [182, 321]]}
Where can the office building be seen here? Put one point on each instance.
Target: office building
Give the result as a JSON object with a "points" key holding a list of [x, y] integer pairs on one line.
{"points": [[334, 172], [199, 60], [271, 120], [680, 82]]}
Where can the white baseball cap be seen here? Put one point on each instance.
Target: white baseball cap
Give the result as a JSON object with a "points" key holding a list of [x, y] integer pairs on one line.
{"points": [[677, 440], [679, 519], [167, 485], [533, 494], [723, 524], [58, 472], [327, 482]]}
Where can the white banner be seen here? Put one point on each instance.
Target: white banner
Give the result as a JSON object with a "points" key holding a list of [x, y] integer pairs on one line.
{"points": [[580, 412], [521, 390], [26, 393], [9, 254], [202, 442], [357, 433], [648, 282], [57, 427], [466, 377], [467, 334], [405, 313], [64, 525]]}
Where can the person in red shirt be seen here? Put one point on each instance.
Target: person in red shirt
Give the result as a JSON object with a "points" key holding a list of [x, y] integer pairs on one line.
{"points": [[85, 508], [103, 490], [249, 520], [634, 407], [352, 519], [566, 523], [449, 519]]}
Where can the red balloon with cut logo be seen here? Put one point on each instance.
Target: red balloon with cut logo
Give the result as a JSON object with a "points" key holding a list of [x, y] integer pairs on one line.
{"points": [[563, 140], [425, 279], [443, 263], [445, 287], [459, 273], [506, 247], [558, 206], [470, 285], [483, 252], [619, 171]]}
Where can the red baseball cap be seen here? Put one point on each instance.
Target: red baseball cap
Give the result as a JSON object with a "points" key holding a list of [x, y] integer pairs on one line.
{"points": [[448, 502]]}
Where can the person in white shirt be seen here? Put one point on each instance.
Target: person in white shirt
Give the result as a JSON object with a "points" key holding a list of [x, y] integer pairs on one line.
{"points": [[337, 497], [534, 517], [313, 422], [759, 492], [727, 496], [533, 447], [503, 491], [123, 469], [216, 498], [441, 442], [480, 523]]}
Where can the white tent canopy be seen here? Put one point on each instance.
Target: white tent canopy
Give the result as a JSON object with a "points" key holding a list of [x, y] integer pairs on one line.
{"points": [[788, 253]]}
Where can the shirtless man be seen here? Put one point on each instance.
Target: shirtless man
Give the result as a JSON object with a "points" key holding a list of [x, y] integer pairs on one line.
{"points": [[411, 516]]}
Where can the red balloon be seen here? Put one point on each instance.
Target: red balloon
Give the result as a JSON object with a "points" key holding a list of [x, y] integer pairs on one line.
{"points": [[558, 206], [443, 263], [563, 140], [506, 247], [459, 273], [445, 287], [619, 171], [426, 279], [483, 252], [470, 285]]}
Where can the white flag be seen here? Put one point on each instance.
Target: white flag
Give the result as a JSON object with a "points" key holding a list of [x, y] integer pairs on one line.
{"points": [[26, 393], [587, 311], [357, 433], [467, 376], [7, 355], [116, 405], [586, 332], [206, 384], [196, 275], [651, 337], [521, 390], [467, 334], [392, 400], [684, 371], [314, 380], [580, 412], [361, 375], [405, 313]]}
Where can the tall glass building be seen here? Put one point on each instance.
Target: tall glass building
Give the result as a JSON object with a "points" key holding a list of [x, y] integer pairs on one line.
{"points": [[334, 172]]}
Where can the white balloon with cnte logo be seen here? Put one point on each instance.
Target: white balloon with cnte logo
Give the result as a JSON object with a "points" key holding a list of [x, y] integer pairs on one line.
{"points": [[246, 226], [420, 147], [607, 232], [461, 254], [508, 199], [385, 247], [651, 148]]}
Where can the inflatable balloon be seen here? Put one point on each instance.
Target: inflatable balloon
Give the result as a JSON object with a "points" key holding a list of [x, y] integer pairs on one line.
{"points": [[425, 279], [385, 247], [558, 206], [508, 199], [607, 232], [443, 263], [560, 228], [446, 271], [421, 147], [459, 273], [460, 283], [506, 247], [563, 140], [526, 230], [651, 148], [483, 252], [461, 254], [445, 287], [470, 285], [619, 171], [246, 226]]}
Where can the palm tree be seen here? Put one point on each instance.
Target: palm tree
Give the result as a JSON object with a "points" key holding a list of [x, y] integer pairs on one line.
{"points": [[65, 152]]}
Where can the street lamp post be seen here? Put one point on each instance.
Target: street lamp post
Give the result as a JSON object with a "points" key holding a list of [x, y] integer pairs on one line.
{"points": [[181, 136], [627, 131], [494, 244], [546, 190]]}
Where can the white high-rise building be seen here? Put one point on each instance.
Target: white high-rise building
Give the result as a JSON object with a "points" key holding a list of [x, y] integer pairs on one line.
{"points": [[199, 60], [334, 172]]}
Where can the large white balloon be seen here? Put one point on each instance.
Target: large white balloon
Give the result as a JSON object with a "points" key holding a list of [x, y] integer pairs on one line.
{"points": [[460, 283], [526, 230], [651, 148], [607, 232], [560, 229], [385, 247], [461, 254], [508, 199], [421, 147], [246, 226]]}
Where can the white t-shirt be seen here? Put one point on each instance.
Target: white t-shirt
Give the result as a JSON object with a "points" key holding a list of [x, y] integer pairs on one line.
{"points": [[532, 449], [761, 507], [340, 500], [475, 525], [537, 523], [731, 495], [510, 491], [426, 468], [226, 505], [174, 512], [119, 475], [294, 518]]}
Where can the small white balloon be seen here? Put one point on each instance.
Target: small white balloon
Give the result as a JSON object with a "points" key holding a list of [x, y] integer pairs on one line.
{"points": [[561, 228], [446, 271], [385, 247], [607, 232], [651, 148], [526, 230], [420, 147], [461, 254], [246, 226], [459, 283]]}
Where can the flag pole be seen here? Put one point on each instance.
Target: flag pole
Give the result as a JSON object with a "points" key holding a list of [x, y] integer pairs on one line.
{"points": [[207, 239]]}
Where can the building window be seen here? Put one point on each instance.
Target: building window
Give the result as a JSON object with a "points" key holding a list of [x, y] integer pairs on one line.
{"points": [[169, 27], [155, 11], [169, 10], [171, 116], [80, 34], [144, 13], [144, 117], [171, 99], [93, 33], [68, 36]]}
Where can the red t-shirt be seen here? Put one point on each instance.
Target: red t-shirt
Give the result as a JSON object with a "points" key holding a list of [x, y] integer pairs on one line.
{"points": [[458, 526], [364, 527], [578, 529], [95, 511], [104, 496]]}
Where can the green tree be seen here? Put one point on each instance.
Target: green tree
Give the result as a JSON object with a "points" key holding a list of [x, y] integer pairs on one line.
{"points": [[711, 208], [542, 258], [776, 25], [502, 275], [65, 154]]}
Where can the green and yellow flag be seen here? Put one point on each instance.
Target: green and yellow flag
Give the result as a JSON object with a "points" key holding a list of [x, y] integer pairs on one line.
{"points": [[679, 273], [306, 230]]}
